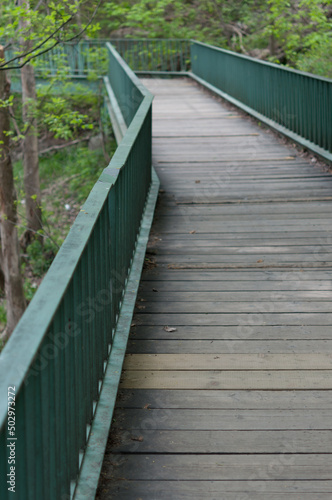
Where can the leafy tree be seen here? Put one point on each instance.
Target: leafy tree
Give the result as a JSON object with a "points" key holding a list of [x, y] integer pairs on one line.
{"points": [[10, 255], [299, 28], [30, 139], [30, 31]]}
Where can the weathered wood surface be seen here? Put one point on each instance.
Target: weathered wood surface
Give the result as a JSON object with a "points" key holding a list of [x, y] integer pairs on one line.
{"points": [[226, 392]]}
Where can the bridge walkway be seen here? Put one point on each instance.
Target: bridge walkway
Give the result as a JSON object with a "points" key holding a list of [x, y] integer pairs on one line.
{"points": [[226, 391]]}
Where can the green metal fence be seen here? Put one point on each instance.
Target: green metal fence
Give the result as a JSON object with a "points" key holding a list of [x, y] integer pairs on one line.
{"points": [[87, 56], [299, 102], [55, 359], [155, 55], [79, 59]]}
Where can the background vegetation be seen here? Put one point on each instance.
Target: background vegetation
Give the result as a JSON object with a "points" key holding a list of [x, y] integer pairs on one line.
{"points": [[297, 33], [67, 175]]}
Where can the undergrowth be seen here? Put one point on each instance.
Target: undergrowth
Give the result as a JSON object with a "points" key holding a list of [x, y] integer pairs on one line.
{"points": [[66, 178]]}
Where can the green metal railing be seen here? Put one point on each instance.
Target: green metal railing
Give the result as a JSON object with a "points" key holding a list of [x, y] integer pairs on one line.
{"points": [[55, 359], [155, 55], [297, 102], [79, 59], [82, 58]]}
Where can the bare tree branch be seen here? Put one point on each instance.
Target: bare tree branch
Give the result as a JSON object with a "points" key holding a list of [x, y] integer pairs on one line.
{"points": [[4, 66], [20, 56], [57, 147]]}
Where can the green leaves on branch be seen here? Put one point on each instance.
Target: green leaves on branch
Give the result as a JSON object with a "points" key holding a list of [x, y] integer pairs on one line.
{"points": [[46, 26], [62, 121], [7, 103], [148, 18], [299, 27]]}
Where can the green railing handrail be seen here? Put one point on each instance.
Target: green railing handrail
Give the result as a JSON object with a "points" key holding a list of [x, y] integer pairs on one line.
{"points": [[260, 61], [155, 55], [295, 103], [55, 358]]}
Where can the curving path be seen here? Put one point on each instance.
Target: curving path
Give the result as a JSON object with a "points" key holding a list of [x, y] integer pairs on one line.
{"points": [[227, 387]]}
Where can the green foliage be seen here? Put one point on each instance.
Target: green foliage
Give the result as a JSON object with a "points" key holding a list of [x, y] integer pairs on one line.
{"points": [[65, 115], [97, 61], [85, 168], [203, 20], [317, 59], [153, 18], [64, 123], [3, 317], [44, 24], [67, 177], [29, 288], [292, 32], [299, 26], [39, 257]]}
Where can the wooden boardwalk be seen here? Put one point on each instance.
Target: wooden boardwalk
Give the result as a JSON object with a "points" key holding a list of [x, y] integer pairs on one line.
{"points": [[227, 388]]}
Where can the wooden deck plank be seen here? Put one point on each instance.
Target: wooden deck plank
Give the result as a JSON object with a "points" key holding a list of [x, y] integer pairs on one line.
{"points": [[239, 296], [221, 420], [217, 361], [244, 276], [234, 401], [222, 468], [274, 307], [226, 346], [178, 247], [260, 316], [225, 442], [235, 332], [218, 490], [227, 399], [220, 380]]}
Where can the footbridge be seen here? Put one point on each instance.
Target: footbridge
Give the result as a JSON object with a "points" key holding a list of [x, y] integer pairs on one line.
{"points": [[209, 374]]}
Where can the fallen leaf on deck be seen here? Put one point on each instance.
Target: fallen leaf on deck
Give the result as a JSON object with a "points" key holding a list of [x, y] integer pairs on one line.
{"points": [[137, 438], [170, 329]]}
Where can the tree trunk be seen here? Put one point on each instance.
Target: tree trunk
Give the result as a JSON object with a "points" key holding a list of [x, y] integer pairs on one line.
{"points": [[273, 45], [8, 218], [2, 276], [30, 144]]}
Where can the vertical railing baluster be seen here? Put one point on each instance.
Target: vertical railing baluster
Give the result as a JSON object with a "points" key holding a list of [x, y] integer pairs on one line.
{"points": [[30, 433], [21, 468], [62, 473], [47, 444], [49, 393]]}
